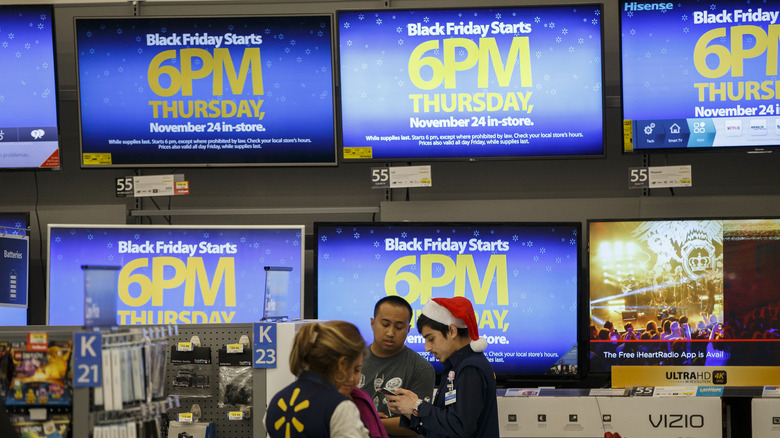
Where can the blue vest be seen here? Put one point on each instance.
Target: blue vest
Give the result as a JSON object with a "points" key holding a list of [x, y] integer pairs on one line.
{"points": [[303, 408]]}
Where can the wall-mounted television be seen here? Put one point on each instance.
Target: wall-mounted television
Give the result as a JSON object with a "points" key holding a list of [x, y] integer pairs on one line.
{"points": [[14, 225], [522, 278], [171, 274], [206, 91], [470, 84], [699, 75], [684, 292], [29, 136]]}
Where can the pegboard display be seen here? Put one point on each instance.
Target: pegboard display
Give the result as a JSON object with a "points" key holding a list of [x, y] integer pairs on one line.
{"points": [[214, 336]]}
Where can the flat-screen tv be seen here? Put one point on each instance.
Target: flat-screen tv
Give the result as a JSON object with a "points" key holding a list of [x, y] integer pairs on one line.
{"points": [[684, 292], [14, 251], [206, 91], [132, 275], [471, 84], [522, 279], [700, 75], [29, 136]]}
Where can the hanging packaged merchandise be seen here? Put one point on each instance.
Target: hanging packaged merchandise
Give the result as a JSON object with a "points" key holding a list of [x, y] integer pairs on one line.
{"points": [[235, 376], [39, 377], [192, 370], [190, 430]]}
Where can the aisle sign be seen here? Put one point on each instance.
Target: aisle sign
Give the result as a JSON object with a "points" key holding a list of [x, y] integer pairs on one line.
{"points": [[265, 345], [14, 263], [87, 357]]}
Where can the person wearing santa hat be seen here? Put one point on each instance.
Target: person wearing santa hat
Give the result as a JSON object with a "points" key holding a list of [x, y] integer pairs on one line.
{"points": [[465, 404]]}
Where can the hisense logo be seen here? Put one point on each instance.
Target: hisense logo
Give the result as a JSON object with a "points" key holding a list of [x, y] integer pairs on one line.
{"points": [[637, 6]]}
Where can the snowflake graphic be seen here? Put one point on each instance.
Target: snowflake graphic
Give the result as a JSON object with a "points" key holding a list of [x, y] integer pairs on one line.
{"points": [[379, 21]]}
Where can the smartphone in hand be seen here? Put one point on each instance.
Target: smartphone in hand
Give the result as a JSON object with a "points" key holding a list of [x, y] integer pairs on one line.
{"points": [[386, 391]]}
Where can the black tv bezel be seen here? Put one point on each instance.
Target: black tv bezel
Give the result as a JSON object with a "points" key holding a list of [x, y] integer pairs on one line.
{"points": [[330, 163], [50, 9], [506, 380], [471, 158]]}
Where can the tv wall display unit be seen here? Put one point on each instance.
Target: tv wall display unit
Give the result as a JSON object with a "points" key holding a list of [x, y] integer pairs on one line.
{"points": [[700, 76], [684, 292], [216, 91], [471, 83], [29, 136], [132, 275], [521, 277]]}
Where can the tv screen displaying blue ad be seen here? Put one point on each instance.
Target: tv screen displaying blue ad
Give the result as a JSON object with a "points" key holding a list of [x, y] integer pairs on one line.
{"points": [[521, 278], [29, 137], [684, 292], [471, 83], [700, 76], [216, 91], [170, 275]]}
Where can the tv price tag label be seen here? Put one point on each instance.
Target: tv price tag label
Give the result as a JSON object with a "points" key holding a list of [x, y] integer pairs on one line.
{"points": [[400, 177], [638, 178], [264, 351], [124, 186], [670, 176], [151, 185], [185, 417], [643, 391], [657, 177], [235, 416], [380, 177], [87, 360]]}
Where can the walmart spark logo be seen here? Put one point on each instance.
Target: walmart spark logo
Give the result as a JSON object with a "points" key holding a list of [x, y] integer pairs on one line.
{"points": [[295, 408]]}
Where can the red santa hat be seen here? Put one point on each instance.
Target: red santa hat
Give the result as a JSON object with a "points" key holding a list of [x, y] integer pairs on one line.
{"points": [[459, 312]]}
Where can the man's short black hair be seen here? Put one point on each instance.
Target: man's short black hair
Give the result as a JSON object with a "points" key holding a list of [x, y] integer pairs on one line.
{"points": [[424, 321], [394, 300]]}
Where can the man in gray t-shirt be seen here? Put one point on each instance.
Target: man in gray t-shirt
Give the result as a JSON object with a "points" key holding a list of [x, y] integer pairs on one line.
{"points": [[391, 364]]}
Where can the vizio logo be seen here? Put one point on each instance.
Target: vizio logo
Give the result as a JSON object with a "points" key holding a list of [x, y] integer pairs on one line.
{"points": [[677, 421]]}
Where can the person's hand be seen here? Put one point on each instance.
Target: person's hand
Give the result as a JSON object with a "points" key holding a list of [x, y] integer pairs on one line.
{"points": [[382, 415], [402, 402]]}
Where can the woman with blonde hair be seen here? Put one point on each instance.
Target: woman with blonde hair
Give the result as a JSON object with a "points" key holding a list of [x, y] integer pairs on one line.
{"points": [[325, 355]]}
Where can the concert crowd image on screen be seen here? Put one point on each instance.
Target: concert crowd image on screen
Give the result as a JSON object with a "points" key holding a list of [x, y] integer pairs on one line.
{"points": [[522, 279], [684, 292]]}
